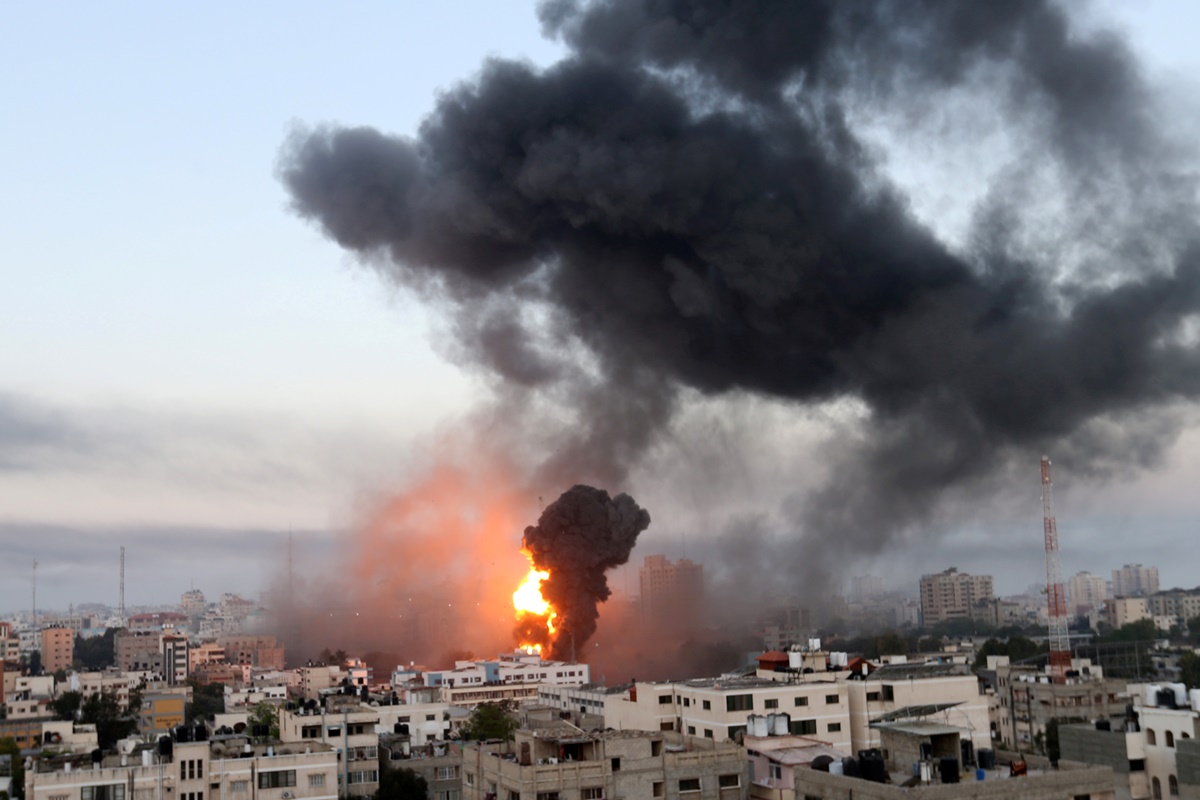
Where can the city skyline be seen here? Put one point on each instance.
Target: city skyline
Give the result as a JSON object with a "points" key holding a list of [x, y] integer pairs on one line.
{"points": [[192, 372]]}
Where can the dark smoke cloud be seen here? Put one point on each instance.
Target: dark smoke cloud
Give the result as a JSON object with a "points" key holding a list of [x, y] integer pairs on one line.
{"points": [[578, 538], [685, 203]]}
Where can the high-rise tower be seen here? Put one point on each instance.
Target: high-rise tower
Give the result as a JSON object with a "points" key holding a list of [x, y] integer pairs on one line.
{"points": [[1056, 596]]}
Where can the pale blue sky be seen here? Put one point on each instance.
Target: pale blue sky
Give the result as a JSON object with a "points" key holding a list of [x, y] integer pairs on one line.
{"points": [[216, 363]]}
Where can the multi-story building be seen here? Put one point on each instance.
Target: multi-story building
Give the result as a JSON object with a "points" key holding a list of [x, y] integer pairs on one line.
{"points": [[10, 643], [439, 763], [58, 649], [257, 651], [1134, 580], [192, 604], [175, 661], [111, 681], [1027, 699], [231, 767], [566, 762], [515, 677], [1179, 605], [818, 706], [952, 595], [672, 590], [139, 651], [1120, 611], [156, 621], [1086, 591], [347, 725]]}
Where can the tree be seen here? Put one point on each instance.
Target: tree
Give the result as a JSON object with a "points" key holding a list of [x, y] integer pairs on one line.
{"points": [[8, 747], [207, 699], [66, 705], [112, 723], [1189, 669], [401, 784], [490, 721], [96, 652], [266, 715], [891, 644], [1141, 631]]}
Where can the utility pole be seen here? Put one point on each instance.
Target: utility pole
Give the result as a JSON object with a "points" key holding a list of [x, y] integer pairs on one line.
{"points": [[121, 611], [1056, 600], [35, 625]]}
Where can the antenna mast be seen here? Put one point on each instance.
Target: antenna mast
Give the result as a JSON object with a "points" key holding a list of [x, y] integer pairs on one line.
{"points": [[35, 625], [121, 611], [1056, 599]]}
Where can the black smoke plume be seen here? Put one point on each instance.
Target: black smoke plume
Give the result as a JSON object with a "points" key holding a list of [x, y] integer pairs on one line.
{"points": [[689, 203], [578, 538]]}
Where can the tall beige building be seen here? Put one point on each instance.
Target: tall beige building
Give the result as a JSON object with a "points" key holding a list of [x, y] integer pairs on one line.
{"points": [[1134, 580], [58, 649], [672, 590], [1086, 591], [952, 595]]}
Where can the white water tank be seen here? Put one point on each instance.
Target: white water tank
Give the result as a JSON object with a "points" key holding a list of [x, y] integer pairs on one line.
{"points": [[758, 726], [1194, 696], [779, 724], [814, 645], [145, 758], [1180, 690], [836, 767], [1150, 695], [795, 659]]}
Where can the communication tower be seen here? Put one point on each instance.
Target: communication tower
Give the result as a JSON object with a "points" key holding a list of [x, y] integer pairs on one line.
{"points": [[1056, 598]]}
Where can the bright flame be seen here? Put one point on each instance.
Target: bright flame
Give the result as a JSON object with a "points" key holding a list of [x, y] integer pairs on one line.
{"points": [[528, 602]]}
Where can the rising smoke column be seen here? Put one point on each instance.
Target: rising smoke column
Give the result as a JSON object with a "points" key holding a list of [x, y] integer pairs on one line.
{"points": [[685, 203], [578, 538]]}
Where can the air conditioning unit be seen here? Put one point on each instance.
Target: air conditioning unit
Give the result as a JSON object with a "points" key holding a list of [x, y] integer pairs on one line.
{"points": [[288, 796]]}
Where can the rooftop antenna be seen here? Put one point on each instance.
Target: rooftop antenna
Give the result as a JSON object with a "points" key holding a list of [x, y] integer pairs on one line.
{"points": [[1056, 599], [121, 607], [35, 625]]}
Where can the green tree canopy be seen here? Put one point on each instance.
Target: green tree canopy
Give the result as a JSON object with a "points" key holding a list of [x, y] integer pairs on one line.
{"points": [[8, 747], [1141, 631], [112, 722], [66, 705], [401, 784], [1189, 669], [96, 652], [490, 721], [207, 699]]}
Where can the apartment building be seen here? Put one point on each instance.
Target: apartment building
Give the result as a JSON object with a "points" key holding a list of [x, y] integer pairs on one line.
{"points": [[10, 643], [1086, 591], [176, 662], [514, 677], [257, 651], [231, 768], [672, 590], [112, 681], [1177, 605], [1120, 611], [948, 693], [139, 651], [192, 604], [1134, 580], [1027, 699], [566, 762], [720, 708], [58, 649], [439, 763], [350, 727], [952, 595]]}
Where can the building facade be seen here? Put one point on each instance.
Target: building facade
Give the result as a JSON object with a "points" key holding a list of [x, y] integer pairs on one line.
{"points": [[1086, 591], [58, 649], [952, 595], [672, 590], [1134, 580]]}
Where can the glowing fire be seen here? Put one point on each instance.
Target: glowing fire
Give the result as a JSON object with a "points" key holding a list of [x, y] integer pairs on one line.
{"points": [[535, 615]]}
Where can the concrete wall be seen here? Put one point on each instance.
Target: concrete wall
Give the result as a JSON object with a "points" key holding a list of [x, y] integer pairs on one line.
{"points": [[1094, 783], [1085, 744]]}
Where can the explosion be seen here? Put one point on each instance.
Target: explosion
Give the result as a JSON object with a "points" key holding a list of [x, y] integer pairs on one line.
{"points": [[535, 615]]}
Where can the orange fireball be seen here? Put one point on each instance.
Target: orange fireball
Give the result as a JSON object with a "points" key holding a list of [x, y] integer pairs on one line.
{"points": [[535, 616]]}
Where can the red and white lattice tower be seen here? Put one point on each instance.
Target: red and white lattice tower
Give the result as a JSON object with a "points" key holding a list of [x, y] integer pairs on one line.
{"points": [[1056, 596]]}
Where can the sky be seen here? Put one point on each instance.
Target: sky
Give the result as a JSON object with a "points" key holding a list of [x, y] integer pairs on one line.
{"points": [[190, 371]]}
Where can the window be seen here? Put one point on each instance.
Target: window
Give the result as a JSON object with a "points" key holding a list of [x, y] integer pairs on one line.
{"points": [[888, 693], [831, 699], [872, 697], [1150, 739], [666, 726], [1155, 784], [834, 727], [446, 794], [708, 733], [547, 796], [707, 706], [430, 717], [801, 701], [664, 699], [772, 703], [310, 732], [729, 781], [365, 776], [616, 765], [447, 773], [1137, 765], [687, 701], [1169, 736], [691, 730], [243, 786], [114, 791], [277, 779], [469, 778], [514, 795], [314, 781], [736, 730], [1173, 785], [591, 793], [739, 702], [776, 772], [658, 789], [689, 784]]}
